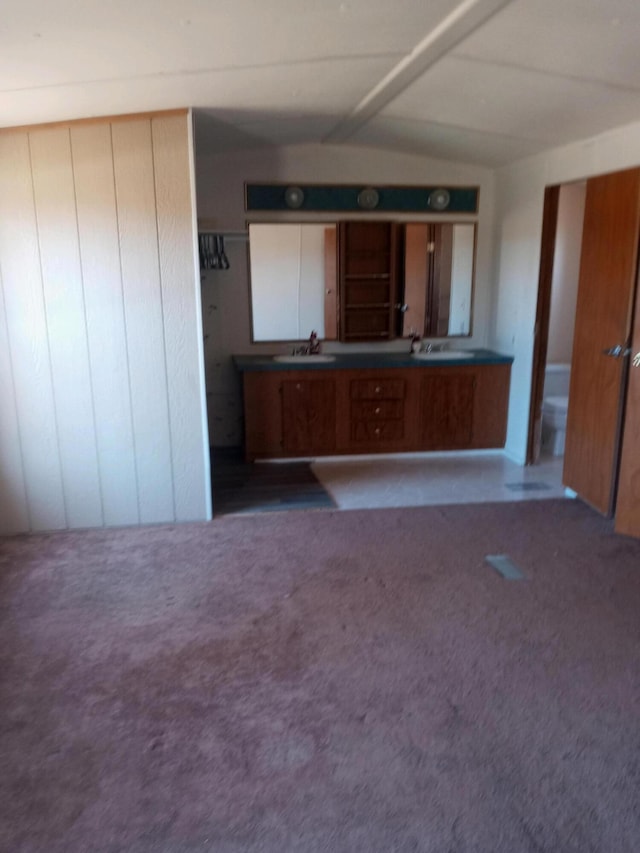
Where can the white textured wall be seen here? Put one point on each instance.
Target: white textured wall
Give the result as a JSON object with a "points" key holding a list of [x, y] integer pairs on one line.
{"points": [[520, 195], [225, 295], [101, 376]]}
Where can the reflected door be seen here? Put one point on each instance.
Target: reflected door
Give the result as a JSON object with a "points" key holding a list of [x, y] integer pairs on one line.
{"points": [[603, 318], [438, 278]]}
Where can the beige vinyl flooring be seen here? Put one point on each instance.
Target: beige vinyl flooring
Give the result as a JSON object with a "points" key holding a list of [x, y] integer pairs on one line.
{"points": [[436, 478]]}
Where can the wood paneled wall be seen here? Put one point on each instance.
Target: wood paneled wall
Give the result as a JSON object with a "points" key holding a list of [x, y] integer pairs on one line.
{"points": [[102, 406]]}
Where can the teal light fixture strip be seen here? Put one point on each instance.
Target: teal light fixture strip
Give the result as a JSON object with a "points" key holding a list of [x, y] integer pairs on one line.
{"points": [[361, 198]]}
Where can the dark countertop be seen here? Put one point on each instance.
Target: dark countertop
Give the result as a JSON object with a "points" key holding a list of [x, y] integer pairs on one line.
{"points": [[363, 360]]}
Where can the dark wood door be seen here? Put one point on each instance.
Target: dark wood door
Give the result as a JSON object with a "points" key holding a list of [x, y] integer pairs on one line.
{"points": [[309, 416], [446, 411], [603, 319], [628, 501]]}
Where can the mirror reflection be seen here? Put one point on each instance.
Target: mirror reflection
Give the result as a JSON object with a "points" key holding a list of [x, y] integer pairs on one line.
{"points": [[438, 279], [294, 280], [293, 271]]}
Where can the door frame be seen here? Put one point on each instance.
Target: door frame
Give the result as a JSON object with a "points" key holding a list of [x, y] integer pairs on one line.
{"points": [[543, 314]]}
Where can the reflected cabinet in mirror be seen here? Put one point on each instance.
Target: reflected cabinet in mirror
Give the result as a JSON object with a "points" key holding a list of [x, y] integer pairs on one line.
{"points": [[360, 280]]}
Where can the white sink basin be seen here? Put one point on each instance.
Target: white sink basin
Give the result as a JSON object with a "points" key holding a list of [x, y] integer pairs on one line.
{"points": [[442, 355], [303, 359]]}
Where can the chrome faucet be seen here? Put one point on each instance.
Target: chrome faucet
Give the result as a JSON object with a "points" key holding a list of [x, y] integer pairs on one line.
{"points": [[431, 347]]}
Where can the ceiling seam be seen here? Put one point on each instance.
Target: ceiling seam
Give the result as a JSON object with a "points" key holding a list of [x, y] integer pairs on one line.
{"points": [[464, 20], [506, 136], [153, 75], [513, 66]]}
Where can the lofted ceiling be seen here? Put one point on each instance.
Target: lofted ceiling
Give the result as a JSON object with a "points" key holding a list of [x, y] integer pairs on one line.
{"points": [[479, 81]]}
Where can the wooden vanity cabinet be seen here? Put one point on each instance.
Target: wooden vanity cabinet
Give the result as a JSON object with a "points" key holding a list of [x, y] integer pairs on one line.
{"points": [[292, 413]]}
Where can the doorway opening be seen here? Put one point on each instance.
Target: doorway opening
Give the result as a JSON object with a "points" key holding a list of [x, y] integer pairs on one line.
{"points": [[563, 220]]}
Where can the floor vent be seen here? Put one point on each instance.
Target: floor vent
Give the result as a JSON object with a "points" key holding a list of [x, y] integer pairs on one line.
{"points": [[505, 566], [527, 487]]}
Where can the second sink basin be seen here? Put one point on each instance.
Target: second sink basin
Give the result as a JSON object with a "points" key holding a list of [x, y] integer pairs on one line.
{"points": [[442, 355], [303, 359]]}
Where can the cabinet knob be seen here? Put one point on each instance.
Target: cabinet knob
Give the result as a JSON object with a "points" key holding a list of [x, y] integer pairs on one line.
{"points": [[377, 430], [298, 386], [377, 410], [378, 389]]}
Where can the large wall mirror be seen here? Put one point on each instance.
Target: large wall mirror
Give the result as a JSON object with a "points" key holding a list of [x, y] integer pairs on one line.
{"points": [[295, 280]]}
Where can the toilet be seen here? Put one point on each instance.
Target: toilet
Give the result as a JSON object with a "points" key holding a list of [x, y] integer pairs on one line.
{"points": [[554, 408]]}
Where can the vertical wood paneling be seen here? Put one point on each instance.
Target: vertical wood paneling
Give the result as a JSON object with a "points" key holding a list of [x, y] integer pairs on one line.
{"points": [[64, 303], [182, 323], [102, 407], [100, 262], [14, 514], [28, 339], [136, 208]]}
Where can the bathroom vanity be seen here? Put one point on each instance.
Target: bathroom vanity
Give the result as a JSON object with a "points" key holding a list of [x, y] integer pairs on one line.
{"points": [[374, 403]]}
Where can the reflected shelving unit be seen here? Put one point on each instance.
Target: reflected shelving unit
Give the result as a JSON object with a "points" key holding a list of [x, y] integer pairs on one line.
{"points": [[368, 280]]}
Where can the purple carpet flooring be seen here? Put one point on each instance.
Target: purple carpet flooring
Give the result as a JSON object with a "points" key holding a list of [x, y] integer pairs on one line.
{"points": [[323, 681]]}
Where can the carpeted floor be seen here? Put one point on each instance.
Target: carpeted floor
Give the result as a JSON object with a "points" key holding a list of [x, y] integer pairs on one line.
{"points": [[353, 682]]}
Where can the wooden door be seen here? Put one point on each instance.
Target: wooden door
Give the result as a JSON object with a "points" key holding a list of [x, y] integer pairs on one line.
{"points": [[309, 416], [603, 318], [628, 502]]}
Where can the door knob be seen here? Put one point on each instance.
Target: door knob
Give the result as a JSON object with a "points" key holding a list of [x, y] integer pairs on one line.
{"points": [[617, 352], [636, 360]]}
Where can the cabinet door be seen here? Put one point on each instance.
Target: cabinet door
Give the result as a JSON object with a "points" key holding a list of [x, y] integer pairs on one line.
{"points": [[309, 416], [446, 411]]}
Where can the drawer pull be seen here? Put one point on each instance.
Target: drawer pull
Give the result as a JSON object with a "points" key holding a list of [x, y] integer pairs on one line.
{"points": [[377, 430], [378, 389], [377, 411], [298, 386]]}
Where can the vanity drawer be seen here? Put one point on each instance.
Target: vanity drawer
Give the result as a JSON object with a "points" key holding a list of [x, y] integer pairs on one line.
{"points": [[377, 389], [371, 410], [373, 431]]}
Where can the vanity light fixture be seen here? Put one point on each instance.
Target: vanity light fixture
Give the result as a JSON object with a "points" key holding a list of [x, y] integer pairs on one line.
{"points": [[293, 197], [354, 198], [368, 198], [439, 199]]}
